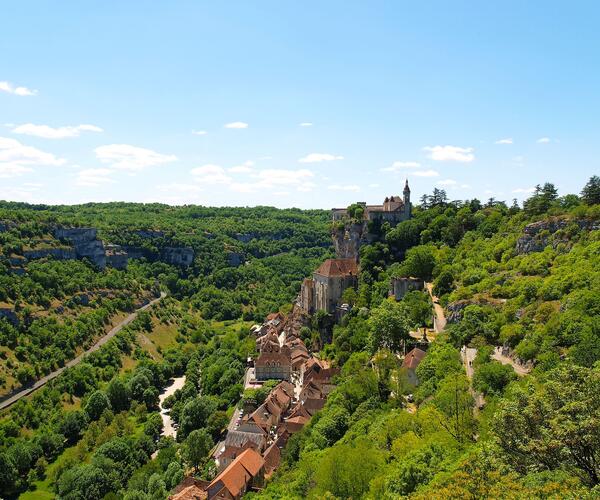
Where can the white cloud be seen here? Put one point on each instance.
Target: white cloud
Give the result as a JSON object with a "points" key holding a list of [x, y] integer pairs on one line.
{"points": [[450, 153], [543, 140], [236, 125], [505, 141], [305, 124], [266, 158], [401, 165], [447, 182], [93, 177], [244, 168], [126, 157], [8, 170], [270, 179], [523, 190], [210, 174], [319, 157], [48, 132], [20, 91], [199, 132], [17, 158], [374, 185], [425, 173]]}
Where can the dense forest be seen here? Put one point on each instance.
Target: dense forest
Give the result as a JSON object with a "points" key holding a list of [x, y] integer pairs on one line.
{"points": [[526, 278]]}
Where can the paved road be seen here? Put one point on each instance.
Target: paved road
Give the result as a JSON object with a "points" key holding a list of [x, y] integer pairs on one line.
{"points": [[21, 393], [440, 317], [505, 360]]}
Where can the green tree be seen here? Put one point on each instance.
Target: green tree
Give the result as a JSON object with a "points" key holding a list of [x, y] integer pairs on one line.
{"points": [[456, 403], [96, 404], [118, 394], [389, 326], [419, 262], [196, 447], [195, 414], [555, 425], [591, 191]]}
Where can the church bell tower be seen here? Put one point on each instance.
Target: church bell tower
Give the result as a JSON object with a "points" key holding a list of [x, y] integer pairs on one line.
{"points": [[407, 205]]}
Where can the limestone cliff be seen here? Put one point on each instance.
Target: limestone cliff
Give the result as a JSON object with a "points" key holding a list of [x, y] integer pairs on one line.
{"points": [[556, 231], [85, 242], [348, 239]]}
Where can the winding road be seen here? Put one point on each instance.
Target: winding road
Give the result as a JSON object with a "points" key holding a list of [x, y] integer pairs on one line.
{"points": [[25, 391]]}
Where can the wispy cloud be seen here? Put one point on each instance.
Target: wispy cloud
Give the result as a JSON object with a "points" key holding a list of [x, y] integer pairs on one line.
{"points": [[544, 140], [305, 124], [16, 90], [17, 158], [94, 177], [397, 166], [523, 190], [127, 157], [339, 187], [505, 141], [199, 132], [47, 132], [210, 174], [319, 157], [244, 168], [277, 179], [450, 153], [236, 125], [374, 185]]}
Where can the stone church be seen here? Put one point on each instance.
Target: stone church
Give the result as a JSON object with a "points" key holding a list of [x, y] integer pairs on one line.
{"points": [[324, 290]]}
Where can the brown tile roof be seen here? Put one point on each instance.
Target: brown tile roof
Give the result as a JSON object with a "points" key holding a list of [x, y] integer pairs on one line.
{"points": [[239, 472], [272, 458], [338, 267], [190, 489], [413, 358]]}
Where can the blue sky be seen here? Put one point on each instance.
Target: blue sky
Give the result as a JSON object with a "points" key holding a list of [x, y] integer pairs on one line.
{"points": [[307, 104]]}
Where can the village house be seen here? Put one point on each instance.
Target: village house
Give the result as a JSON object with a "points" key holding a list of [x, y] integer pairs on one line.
{"points": [[245, 472], [399, 287], [274, 360], [324, 291], [411, 362]]}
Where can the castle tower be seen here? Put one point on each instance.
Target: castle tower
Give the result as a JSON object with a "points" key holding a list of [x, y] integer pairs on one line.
{"points": [[407, 205]]}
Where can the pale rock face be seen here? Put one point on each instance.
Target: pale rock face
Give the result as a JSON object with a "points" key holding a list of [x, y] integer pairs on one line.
{"points": [[347, 241], [539, 235]]}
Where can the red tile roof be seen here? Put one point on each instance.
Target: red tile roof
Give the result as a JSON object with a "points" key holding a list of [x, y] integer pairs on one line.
{"points": [[338, 267], [239, 472], [413, 358]]}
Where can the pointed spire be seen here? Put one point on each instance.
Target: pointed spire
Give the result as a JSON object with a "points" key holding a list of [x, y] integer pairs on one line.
{"points": [[406, 188]]}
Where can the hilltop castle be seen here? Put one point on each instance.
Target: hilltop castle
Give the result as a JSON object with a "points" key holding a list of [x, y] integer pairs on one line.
{"points": [[394, 209]]}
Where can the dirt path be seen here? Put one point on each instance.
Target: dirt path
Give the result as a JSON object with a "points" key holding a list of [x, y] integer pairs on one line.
{"points": [[24, 391], [440, 318], [521, 371]]}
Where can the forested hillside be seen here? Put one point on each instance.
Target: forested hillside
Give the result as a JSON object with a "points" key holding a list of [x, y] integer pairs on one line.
{"points": [[525, 279], [247, 262]]}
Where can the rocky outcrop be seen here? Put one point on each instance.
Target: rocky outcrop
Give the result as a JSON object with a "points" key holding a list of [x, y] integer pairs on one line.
{"points": [[85, 243], [61, 253], [454, 311], [116, 257], [178, 256], [539, 235], [245, 238], [348, 240]]}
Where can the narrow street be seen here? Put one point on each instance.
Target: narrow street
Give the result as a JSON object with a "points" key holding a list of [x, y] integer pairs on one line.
{"points": [[440, 318]]}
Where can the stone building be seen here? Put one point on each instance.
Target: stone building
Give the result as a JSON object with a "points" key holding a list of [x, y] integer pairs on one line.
{"points": [[399, 287], [394, 209], [274, 360], [324, 291]]}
